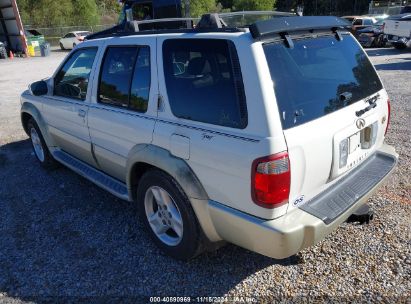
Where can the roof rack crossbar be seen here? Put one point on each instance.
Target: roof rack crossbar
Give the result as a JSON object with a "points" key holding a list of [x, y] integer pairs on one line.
{"points": [[256, 13], [189, 22]]}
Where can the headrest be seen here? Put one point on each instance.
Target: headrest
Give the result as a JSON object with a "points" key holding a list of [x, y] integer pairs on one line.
{"points": [[197, 66]]}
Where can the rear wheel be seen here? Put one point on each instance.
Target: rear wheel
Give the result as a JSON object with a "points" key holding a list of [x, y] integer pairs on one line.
{"points": [[380, 41], [399, 46], [168, 215], [74, 45], [39, 146]]}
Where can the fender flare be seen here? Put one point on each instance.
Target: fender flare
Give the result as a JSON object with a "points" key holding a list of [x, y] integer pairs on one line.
{"points": [[164, 160], [34, 112]]}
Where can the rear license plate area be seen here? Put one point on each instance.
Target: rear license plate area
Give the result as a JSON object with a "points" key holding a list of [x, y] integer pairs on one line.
{"points": [[354, 142]]}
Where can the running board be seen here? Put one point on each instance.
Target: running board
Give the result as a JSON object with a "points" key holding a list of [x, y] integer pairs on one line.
{"points": [[99, 178]]}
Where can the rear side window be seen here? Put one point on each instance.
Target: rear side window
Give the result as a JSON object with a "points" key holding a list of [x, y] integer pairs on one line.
{"points": [[319, 76], [72, 80], [125, 77], [140, 86], [204, 82]]}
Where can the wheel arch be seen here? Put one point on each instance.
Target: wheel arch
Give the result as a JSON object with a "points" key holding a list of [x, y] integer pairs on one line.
{"points": [[144, 157], [28, 111]]}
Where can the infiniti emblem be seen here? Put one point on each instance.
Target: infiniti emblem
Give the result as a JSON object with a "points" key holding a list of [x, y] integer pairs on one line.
{"points": [[360, 123]]}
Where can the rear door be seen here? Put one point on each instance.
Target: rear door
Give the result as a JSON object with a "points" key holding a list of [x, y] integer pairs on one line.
{"points": [[124, 111], [332, 107]]}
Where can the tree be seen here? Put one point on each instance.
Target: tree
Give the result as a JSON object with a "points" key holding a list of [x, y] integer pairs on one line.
{"points": [[200, 7], [85, 12], [51, 13], [253, 5], [44, 13]]}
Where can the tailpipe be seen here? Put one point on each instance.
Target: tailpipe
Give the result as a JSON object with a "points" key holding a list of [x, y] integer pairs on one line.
{"points": [[362, 215]]}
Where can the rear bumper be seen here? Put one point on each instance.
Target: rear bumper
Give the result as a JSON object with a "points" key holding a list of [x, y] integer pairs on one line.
{"points": [[287, 235]]}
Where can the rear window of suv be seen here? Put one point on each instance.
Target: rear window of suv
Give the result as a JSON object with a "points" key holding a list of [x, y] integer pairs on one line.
{"points": [[319, 76]]}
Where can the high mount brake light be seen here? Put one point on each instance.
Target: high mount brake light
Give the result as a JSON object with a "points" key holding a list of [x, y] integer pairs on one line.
{"points": [[271, 178], [389, 116]]}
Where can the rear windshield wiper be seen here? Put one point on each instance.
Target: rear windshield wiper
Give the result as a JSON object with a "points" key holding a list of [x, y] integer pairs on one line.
{"points": [[373, 103]]}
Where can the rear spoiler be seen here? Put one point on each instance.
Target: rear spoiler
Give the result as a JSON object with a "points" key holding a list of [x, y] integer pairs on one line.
{"points": [[285, 25]]}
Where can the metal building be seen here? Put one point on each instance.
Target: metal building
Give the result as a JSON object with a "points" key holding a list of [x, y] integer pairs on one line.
{"points": [[11, 27]]}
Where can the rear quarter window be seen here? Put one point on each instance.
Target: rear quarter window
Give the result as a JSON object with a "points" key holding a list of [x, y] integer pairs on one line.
{"points": [[204, 81]]}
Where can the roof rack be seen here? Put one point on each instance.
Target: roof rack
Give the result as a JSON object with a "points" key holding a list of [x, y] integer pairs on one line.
{"points": [[277, 23], [189, 22]]}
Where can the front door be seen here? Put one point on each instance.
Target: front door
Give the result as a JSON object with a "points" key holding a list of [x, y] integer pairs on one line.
{"points": [[65, 109]]}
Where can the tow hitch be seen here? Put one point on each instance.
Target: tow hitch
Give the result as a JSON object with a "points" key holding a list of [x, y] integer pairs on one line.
{"points": [[362, 215]]}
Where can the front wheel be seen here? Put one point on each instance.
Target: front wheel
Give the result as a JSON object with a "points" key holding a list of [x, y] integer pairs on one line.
{"points": [[39, 146], [3, 53], [62, 46], [168, 215]]}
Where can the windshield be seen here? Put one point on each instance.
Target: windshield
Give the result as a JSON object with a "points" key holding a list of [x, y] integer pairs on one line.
{"points": [[319, 76], [83, 33]]}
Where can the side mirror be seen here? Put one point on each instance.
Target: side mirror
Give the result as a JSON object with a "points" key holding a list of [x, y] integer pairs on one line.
{"points": [[39, 88]]}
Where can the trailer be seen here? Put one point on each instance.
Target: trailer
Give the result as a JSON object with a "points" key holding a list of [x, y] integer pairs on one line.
{"points": [[150, 9], [393, 7], [146, 10], [11, 28]]}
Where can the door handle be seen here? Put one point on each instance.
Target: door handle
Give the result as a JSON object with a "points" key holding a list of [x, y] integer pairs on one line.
{"points": [[82, 113]]}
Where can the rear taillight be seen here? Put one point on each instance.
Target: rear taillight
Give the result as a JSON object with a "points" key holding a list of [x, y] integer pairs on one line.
{"points": [[389, 116], [270, 180]]}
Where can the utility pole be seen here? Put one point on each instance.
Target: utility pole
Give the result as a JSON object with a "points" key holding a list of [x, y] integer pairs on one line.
{"points": [[187, 8]]}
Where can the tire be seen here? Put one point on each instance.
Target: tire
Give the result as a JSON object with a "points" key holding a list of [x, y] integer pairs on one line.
{"points": [[180, 241], [380, 41], [40, 148], [3, 53], [74, 45], [62, 47], [399, 46]]}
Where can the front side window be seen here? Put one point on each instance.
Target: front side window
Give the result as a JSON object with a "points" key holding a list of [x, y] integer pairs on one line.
{"points": [[204, 81], [319, 76], [125, 77], [358, 22], [72, 80]]}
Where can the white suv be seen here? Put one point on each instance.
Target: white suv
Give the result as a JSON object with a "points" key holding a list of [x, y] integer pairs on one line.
{"points": [[266, 136]]}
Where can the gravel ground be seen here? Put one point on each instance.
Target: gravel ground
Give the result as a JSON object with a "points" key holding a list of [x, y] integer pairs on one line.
{"points": [[62, 237]]}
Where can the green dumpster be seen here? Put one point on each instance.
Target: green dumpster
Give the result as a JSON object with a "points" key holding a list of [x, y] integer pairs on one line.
{"points": [[35, 39]]}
